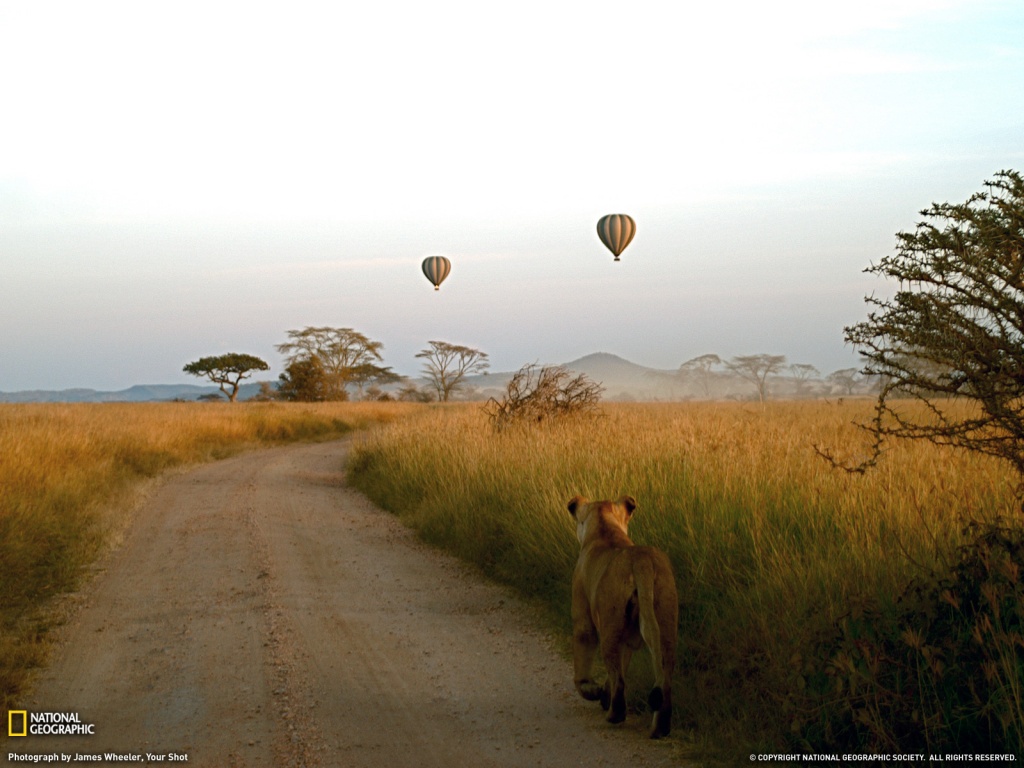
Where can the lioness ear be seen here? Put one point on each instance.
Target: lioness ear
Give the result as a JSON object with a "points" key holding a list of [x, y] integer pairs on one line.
{"points": [[574, 504], [629, 503]]}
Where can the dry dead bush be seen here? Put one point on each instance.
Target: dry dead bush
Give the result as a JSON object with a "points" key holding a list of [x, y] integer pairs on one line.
{"points": [[536, 394]]}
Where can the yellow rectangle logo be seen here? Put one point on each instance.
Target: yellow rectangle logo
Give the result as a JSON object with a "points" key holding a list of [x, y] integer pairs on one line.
{"points": [[12, 729]]}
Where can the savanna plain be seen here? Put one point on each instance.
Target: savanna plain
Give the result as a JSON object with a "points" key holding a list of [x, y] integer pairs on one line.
{"points": [[819, 609]]}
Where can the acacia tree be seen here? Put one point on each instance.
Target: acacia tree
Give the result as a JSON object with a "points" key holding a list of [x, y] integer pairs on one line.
{"points": [[802, 374], [448, 364], [410, 393], [369, 376], [346, 356], [954, 330], [756, 369], [701, 368], [304, 380], [845, 378], [226, 370]]}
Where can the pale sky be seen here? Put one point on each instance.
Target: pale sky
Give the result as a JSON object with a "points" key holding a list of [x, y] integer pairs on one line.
{"points": [[188, 179]]}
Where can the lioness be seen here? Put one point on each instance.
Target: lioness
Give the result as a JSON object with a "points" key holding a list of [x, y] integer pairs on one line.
{"points": [[623, 596]]}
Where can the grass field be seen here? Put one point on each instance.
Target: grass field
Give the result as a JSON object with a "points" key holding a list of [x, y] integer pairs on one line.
{"points": [[68, 474], [818, 608]]}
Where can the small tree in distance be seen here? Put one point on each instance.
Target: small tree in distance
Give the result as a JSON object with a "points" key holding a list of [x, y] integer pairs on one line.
{"points": [[447, 365], [701, 368], [227, 371], [802, 374], [370, 376], [845, 378], [304, 381], [410, 393], [756, 369]]}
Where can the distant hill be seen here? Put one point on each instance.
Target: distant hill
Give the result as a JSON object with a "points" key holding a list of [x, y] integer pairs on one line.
{"points": [[621, 379], [625, 380], [140, 393], [614, 373]]}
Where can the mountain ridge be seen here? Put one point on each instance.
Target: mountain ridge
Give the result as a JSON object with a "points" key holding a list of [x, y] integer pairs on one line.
{"points": [[138, 393]]}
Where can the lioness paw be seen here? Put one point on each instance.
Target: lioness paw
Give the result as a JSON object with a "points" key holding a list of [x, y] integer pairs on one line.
{"points": [[590, 690]]}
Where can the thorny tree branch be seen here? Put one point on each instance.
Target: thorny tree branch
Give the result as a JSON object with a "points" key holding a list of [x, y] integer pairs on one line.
{"points": [[953, 333]]}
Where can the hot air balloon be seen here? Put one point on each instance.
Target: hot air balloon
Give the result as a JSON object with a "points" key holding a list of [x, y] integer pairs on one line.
{"points": [[615, 231], [436, 268]]}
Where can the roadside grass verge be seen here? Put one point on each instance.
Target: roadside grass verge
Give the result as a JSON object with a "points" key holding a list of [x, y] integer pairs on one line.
{"points": [[779, 558], [67, 474]]}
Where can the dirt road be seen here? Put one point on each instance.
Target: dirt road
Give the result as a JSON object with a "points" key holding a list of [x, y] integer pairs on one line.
{"points": [[261, 613]]}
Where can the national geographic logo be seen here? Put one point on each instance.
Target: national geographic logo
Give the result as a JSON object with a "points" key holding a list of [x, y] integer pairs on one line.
{"points": [[21, 722]]}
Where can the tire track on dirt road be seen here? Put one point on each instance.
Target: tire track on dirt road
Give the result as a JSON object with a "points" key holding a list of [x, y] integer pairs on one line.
{"points": [[261, 613]]}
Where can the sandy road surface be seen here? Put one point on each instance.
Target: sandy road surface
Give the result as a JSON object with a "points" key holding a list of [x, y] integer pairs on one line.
{"points": [[260, 613]]}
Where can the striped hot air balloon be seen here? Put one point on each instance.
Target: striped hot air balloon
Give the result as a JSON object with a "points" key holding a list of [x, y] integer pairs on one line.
{"points": [[615, 231], [436, 268]]}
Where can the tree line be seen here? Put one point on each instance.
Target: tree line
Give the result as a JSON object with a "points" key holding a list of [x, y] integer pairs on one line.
{"points": [[334, 364], [707, 375]]}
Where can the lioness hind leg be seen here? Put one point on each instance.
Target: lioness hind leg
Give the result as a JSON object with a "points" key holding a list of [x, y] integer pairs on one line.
{"points": [[660, 699], [661, 703], [616, 661], [617, 699], [584, 647]]}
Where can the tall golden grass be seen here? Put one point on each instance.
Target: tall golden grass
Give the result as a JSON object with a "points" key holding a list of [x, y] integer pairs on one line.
{"points": [[67, 472], [771, 546]]}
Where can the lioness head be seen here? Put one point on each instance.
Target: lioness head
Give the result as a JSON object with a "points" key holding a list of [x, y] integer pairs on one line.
{"points": [[593, 516]]}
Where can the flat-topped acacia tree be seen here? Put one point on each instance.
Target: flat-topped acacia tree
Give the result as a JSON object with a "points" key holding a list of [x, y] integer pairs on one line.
{"points": [[345, 357], [227, 371], [447, 365]]}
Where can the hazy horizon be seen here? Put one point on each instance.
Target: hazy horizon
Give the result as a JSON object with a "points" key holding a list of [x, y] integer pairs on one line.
{"points": [[198, 179], [599, 360]]}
